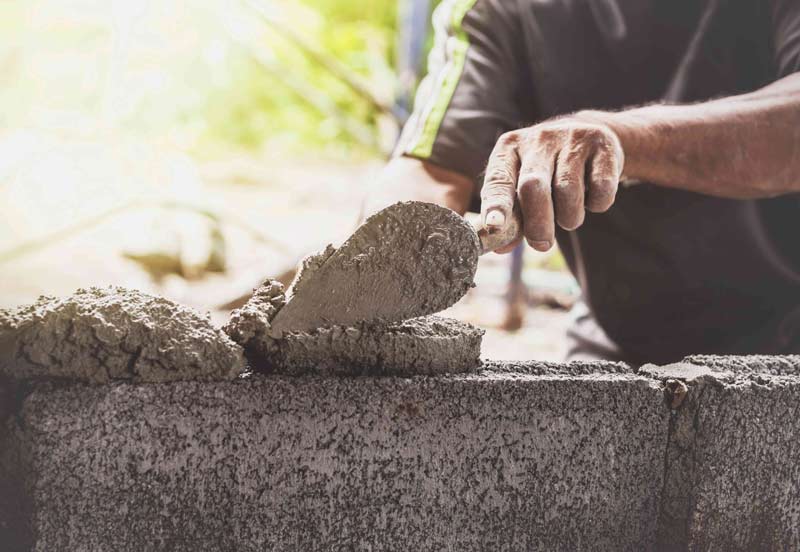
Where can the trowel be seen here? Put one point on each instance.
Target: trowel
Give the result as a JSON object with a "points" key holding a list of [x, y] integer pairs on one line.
{"points": [[410, 259]]}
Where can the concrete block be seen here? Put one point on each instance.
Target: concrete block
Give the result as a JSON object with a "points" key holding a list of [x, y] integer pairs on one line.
{"points": [[517, 457], [732, 472], [702, 455]]}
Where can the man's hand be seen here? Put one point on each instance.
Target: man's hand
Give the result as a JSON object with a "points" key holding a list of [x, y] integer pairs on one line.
{"points": [[406, 179], [555, 170]]}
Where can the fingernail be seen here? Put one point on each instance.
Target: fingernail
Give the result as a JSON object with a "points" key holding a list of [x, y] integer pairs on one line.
{"points": [[495, 218], [541, 245]]}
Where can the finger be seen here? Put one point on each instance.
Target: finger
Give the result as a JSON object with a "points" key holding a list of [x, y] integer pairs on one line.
{"points": [[605, 168], [500, 183], [535, 197], [568, 194]]}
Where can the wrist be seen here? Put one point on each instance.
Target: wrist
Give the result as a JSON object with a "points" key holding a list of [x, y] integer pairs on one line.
{"points": [[411, 179], [628, 131]]}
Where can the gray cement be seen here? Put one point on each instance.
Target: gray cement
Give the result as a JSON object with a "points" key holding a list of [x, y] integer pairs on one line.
{"points": [[528, 456], [101, 335], [428, 345], [420, 346], [408, 260]]}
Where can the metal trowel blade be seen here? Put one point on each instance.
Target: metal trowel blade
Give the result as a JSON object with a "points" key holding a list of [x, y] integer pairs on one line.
{"points": [[410, 259]]}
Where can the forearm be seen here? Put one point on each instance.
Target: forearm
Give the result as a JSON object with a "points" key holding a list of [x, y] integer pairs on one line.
{"points": [[744, 146], [407, 178]]}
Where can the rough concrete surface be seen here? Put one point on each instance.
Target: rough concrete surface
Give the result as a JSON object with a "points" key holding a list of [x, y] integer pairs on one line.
{"points": [[101, 335], [732, 468], [788, 365], [524, 456], [427, 345], [747, 462], [408, 260], [502, 460]]}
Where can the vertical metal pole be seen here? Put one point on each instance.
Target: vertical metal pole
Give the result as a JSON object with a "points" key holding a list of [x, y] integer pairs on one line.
{"points": [[516, 295]]}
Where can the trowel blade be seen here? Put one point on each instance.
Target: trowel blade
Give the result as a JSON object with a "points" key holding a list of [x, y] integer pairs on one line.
{"points": [[408, 260]]}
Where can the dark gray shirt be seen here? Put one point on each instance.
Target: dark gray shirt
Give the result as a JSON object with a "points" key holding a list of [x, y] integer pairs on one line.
{"points": [[665, 272]]}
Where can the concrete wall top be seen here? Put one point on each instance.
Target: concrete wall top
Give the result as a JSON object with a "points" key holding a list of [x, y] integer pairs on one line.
{"points": [[519, 456]]}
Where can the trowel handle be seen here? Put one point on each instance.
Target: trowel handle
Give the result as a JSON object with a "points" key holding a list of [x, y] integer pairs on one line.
{"points": [[495, 239]]}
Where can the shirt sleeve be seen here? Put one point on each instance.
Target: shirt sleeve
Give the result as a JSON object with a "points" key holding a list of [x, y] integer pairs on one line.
{"points": [[786, 35], [471, 94]]}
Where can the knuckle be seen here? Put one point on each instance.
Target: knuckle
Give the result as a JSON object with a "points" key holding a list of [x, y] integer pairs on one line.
{"points": [[495, 193], [548, 134], [578, 135], [604, 167], [497, 179], [603, 144], [508, 138], [574, 153], [607, 142], [593, 133], [593, 138], [533, 184], [564, 182], [497, 197], [501, 169]]}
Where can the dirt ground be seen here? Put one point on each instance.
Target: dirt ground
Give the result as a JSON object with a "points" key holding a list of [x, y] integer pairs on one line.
{"points": [[205, 235]]}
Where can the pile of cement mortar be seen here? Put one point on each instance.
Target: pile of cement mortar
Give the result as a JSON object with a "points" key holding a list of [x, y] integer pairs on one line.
{"points": [[103, 335], [427, 345]]}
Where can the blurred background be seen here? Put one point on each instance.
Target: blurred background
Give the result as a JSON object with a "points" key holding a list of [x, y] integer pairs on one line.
{"points": [[194, 148]]}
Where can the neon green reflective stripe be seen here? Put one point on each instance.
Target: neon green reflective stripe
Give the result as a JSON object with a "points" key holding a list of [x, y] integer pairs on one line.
{"points": [[457, 45]]}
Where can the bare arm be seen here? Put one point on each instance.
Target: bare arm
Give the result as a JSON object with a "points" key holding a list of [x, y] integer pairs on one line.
{"points": [[744, 146], [740, 147], [407, 178]]}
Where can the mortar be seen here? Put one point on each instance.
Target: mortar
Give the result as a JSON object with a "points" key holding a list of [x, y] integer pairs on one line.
{"points": [[425, 345]]}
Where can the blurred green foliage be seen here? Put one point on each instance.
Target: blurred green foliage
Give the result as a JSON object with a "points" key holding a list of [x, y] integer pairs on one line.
{"points": [[258, 106], [205, 75]]}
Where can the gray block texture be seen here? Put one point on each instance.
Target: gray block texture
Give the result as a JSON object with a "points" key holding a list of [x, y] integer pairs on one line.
{"points": [[526, 457], [732, 474], [700, 456]]}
